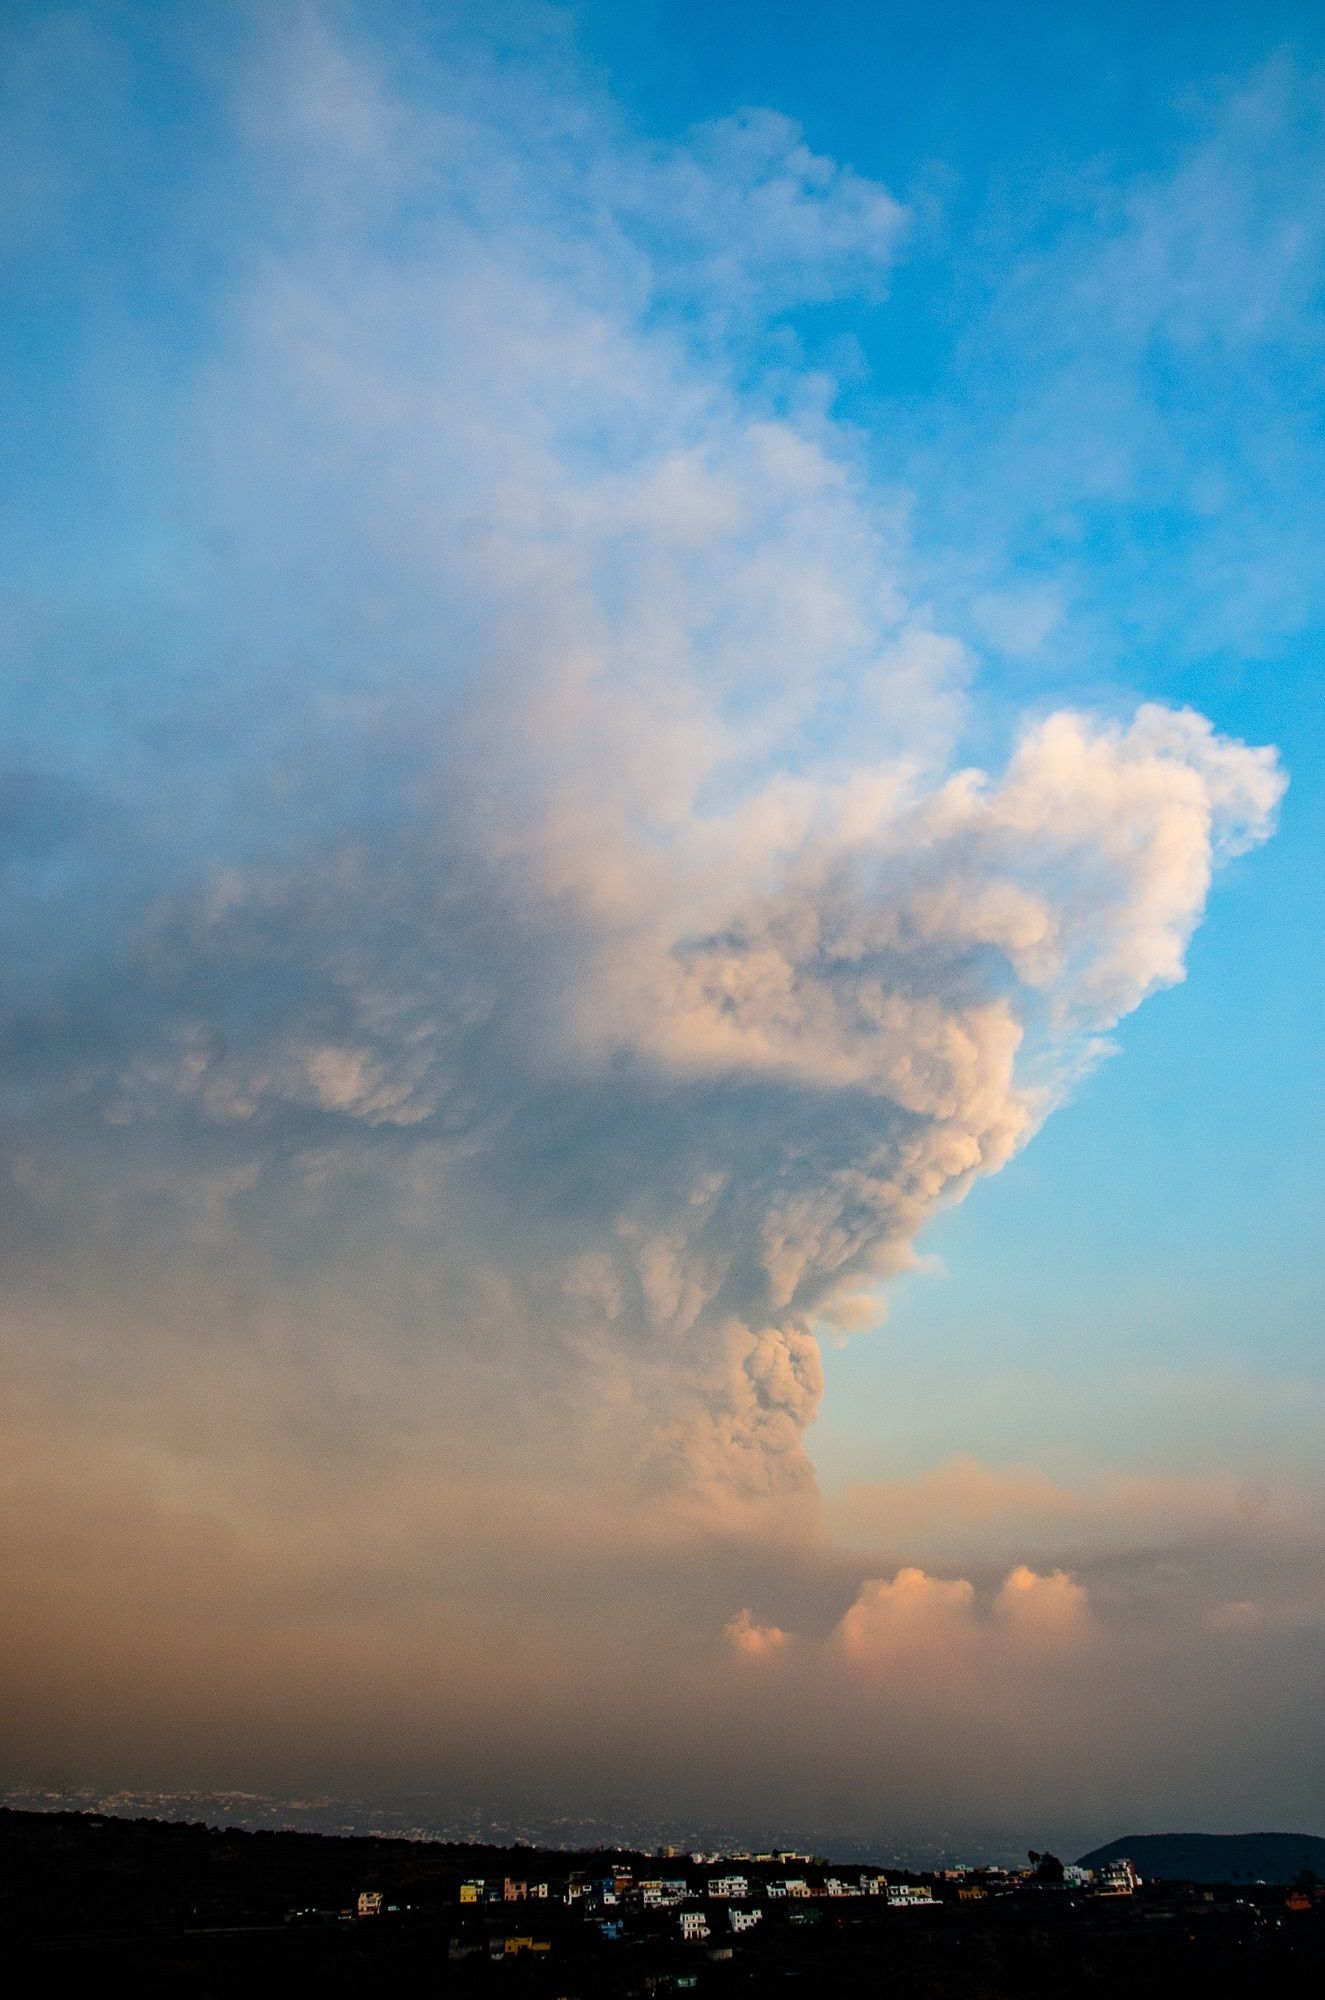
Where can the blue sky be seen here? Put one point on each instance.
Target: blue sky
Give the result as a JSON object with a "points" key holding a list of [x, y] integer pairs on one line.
{"points": [[649, 661]]}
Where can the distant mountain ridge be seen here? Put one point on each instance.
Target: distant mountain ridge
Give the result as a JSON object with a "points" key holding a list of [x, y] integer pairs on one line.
{"points": [[1216, 1857]]}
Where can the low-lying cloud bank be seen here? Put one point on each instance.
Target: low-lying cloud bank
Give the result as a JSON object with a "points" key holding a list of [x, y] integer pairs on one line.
{"points": [[400, 1622]]}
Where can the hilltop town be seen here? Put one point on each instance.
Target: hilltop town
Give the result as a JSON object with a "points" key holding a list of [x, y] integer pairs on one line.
{"points": [[146, 1906]]}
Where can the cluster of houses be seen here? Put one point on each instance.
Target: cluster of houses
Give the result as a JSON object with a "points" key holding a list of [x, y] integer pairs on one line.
{"points": [[736, 1902], [597, 1893]]}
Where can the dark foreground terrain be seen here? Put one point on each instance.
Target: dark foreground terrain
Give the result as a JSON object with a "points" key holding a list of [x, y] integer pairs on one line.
{"points": [[1218, 1857], [101, 1906]]}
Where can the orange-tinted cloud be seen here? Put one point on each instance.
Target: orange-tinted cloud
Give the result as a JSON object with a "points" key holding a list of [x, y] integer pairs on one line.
{"points": [[1046, 1610], [912, 1612], [941, 1619], [753, 1640]]}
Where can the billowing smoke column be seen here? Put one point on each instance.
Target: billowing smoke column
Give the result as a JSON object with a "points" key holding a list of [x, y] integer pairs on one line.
{"points": [[543, 904], [676, 1099]]}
